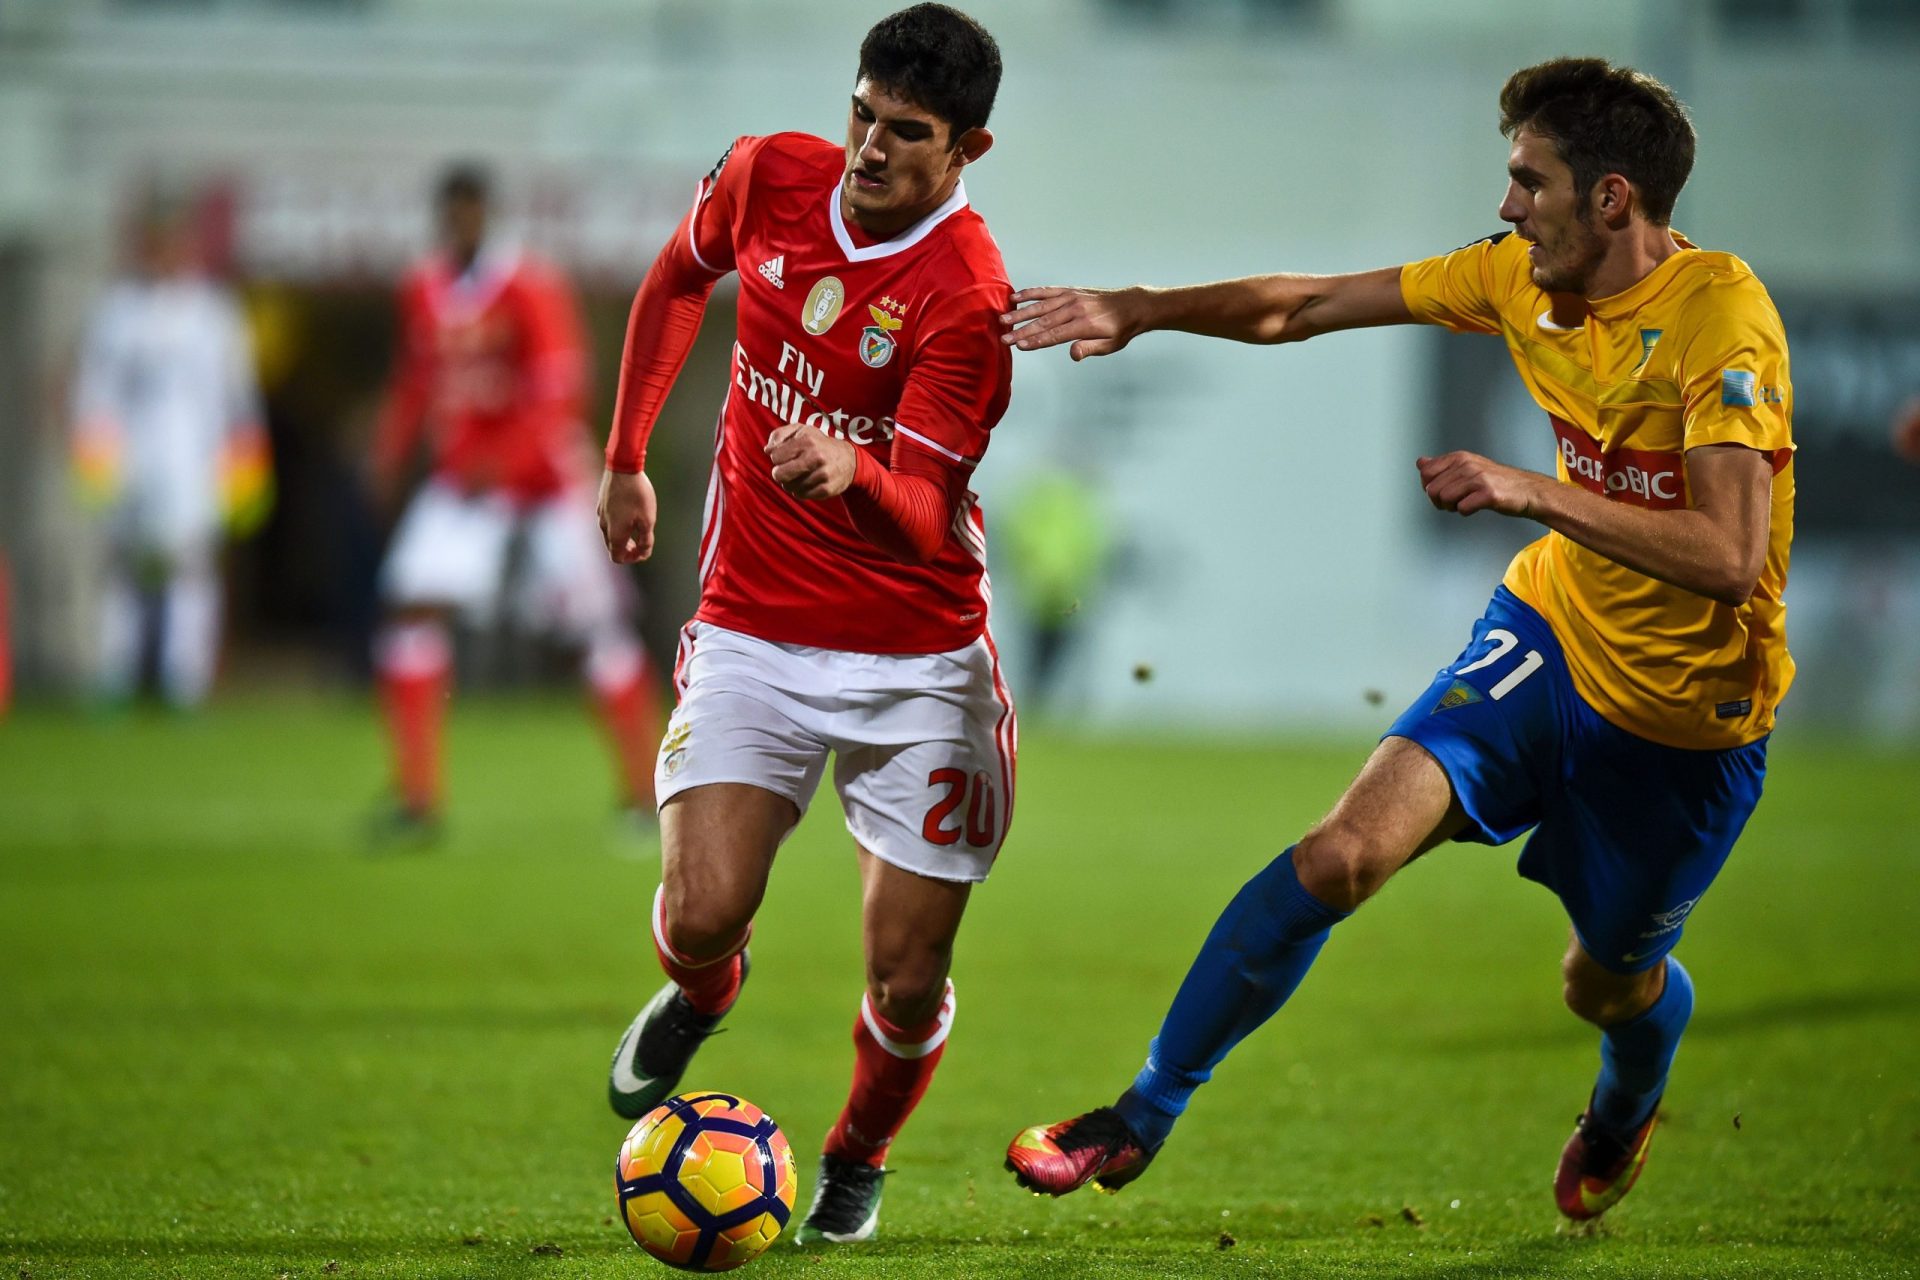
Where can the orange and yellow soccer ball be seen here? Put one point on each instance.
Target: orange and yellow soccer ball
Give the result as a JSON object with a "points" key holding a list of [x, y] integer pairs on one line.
{"points": [[705, 1181]]}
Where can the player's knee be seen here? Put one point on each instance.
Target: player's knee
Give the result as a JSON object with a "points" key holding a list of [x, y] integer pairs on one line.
{"points": [[907, 991], [1602, 998], [702, 924], [1338, 863]]}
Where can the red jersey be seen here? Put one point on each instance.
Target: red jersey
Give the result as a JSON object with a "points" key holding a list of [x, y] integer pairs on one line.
{"points": [[893, 346], [492, 368]]}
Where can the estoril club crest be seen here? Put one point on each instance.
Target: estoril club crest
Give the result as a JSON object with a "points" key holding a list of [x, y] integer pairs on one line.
{"points": [[876, 340], [822, 306]]}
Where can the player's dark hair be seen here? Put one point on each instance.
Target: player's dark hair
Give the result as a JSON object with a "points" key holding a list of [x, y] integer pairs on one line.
{"points": [[1605, 119], [938, 58], [465, 180]]}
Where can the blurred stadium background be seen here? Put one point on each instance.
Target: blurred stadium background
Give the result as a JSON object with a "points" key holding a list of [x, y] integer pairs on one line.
{"points": [[299, 1025], [1257, 508]]}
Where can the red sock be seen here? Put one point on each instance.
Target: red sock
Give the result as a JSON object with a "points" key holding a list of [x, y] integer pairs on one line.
{"points": [[628, 698], [414, 660], [892, 1067], [711, 985]]}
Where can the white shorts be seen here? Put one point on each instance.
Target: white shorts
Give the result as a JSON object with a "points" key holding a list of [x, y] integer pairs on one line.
{"points": [[923, 744], [451, 549]]}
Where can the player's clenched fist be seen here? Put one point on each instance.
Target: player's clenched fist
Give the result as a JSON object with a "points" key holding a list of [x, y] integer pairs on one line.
{"points": [[1466, 482], [808, 463], [1098, 322], [627, 511]]}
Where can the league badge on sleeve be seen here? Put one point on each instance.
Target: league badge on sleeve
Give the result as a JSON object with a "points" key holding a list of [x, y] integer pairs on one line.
{"points": [[876, 340]]}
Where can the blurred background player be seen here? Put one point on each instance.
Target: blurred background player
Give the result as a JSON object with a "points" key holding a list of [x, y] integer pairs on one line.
{"points": [[1618, 694], [844, 598], [1059, 546], [168, 446], [492, 372], [1906, 431]]}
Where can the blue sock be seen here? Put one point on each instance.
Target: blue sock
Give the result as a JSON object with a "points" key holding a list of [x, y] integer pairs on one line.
{"points": [[1635, 1056], [1255, 956]]}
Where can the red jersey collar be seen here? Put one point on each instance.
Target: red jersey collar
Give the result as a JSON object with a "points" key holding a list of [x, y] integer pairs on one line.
{"points": [[898, 244]]}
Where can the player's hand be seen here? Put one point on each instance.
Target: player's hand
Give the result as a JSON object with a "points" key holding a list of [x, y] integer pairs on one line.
{"points": [[808, 463], [1466, 483], [1906, 430], [1098, 322], [627, 512]]}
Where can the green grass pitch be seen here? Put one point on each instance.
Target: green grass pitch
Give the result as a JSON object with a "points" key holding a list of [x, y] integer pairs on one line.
{"points": [[233, 1044]]}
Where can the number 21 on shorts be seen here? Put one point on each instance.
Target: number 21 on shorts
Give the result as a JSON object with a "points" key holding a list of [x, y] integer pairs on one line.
{"points": [[1504, 643], [975, 794]]}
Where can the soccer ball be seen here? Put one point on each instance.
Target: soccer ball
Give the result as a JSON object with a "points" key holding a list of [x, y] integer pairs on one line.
{"points": [[705, 1181]]}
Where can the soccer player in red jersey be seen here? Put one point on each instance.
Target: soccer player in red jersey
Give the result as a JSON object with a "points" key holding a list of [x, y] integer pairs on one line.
{"points": [[844, 596], [492, 370]]}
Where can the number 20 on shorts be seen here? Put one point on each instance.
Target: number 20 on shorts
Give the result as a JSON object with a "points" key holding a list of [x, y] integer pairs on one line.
{"points": [[1504, 643], [975, 793]]}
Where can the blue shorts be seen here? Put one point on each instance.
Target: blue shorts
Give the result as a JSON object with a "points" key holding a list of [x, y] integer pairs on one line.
{"points": [[1628, 833]]}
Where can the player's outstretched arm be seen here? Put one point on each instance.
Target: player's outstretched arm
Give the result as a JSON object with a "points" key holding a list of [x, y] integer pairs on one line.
{"points": [[627, 512], [1716, 547], [1262, 309]]}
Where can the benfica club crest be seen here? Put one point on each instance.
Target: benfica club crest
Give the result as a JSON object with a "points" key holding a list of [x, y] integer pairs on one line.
{"points": [[877, 340]]}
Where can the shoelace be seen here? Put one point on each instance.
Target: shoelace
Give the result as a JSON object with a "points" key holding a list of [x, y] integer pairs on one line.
{"points": [[682, 1026], [1103, 1129], [1605, 1150]]}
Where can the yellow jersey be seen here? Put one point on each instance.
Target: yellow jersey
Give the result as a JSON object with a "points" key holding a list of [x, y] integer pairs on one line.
{"points": [[1692, 355]]}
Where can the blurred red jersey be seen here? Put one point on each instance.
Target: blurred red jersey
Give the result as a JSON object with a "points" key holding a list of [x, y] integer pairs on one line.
{"points": [[894, 346], [492, 368]]}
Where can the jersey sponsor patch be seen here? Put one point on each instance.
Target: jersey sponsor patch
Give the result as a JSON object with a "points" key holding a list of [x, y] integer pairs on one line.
{"points": [[1736, 388], [1732, 710], [1641, 477]]}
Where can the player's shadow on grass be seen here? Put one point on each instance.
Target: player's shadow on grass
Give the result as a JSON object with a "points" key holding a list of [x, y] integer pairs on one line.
{"points": [[1797, 1011]]}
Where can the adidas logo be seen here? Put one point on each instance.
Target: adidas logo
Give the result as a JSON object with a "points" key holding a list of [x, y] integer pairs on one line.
{"points": [[772, 268]]}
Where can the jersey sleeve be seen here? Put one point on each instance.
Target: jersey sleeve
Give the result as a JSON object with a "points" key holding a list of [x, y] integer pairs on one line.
{"points": [[962, 376], [671, 301], [241, 389], [403, 414], [1734, 378], [1460, 290], [96, 375], [719, 203], [99, 444], [553, 352]]}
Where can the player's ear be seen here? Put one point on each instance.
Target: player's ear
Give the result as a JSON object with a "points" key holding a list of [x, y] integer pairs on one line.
{"points": [[973, 144], [1614, 200]]}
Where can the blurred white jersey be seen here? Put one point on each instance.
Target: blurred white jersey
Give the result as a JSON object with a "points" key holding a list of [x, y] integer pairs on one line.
{"points": [[167, 375]]}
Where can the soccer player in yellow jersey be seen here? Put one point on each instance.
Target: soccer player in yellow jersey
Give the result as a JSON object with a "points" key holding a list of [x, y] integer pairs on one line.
{"points": [[1617, 695]]}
